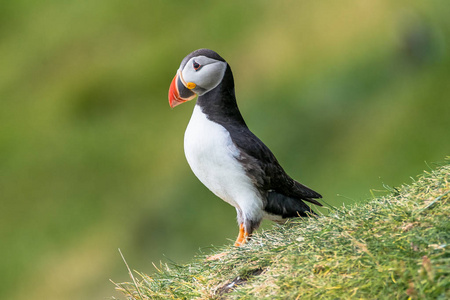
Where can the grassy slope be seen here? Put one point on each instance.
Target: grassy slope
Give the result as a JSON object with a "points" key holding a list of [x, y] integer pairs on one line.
{"points": [[392, 247]]}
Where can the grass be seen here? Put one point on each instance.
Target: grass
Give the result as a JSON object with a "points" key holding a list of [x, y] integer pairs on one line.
{"points": [[391, 247]]}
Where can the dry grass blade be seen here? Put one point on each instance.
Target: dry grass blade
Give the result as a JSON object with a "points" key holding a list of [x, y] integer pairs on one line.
{"points": [[132, 277]]}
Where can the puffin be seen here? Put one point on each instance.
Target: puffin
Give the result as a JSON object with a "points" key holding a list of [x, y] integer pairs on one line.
{"points": [[226, 156]]}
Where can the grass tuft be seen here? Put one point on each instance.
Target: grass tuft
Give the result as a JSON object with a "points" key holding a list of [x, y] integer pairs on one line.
{"points": [[391, 247]]}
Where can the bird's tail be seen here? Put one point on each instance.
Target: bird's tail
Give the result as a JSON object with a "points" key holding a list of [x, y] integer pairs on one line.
{"points": [[287, 207]]}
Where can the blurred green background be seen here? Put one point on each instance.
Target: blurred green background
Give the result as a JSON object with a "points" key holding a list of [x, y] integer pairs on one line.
{"points": [[348, 95]]}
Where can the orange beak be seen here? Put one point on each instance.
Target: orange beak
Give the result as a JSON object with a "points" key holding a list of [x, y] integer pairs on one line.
{"points": [[178, 93]]}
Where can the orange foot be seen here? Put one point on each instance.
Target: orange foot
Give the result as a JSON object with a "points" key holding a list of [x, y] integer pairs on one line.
{"points": [[243, 236]]}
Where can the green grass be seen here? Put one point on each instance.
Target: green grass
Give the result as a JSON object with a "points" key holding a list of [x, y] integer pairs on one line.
{"points": [[391, 247]]}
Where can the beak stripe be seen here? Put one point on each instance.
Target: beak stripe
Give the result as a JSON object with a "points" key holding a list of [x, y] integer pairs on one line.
{"points": [[180, 75]]}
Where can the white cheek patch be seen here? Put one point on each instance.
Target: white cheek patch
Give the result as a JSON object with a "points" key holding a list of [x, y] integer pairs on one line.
{"points": [[208, 76], [211, 75]]}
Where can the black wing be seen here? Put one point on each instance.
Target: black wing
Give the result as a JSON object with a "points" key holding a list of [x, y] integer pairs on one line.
{"points": [[267, 174]]}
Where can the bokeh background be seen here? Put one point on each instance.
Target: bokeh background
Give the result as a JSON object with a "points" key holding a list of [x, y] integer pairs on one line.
{"points": [[349, 95]]}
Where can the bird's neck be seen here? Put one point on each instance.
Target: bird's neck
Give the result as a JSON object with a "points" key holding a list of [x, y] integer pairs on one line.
{"points": [[220, 105]]}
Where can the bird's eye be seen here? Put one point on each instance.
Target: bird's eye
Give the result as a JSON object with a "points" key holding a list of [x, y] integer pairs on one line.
{"points": [[196, 65]]}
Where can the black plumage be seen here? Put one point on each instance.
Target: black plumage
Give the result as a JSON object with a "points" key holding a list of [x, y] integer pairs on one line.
{"points": [[283, 195]]}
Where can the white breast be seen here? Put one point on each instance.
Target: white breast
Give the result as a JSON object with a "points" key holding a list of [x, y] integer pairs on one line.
{"points": [[212, 155]]}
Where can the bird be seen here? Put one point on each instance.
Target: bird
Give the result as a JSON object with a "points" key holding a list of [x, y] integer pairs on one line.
{"points": [[226, 156]]}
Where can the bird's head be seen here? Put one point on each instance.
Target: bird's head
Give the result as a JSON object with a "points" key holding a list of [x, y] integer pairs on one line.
{"points": [[200, 72]]}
